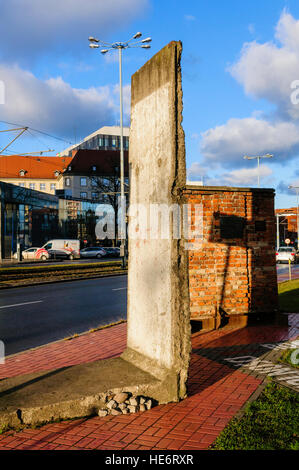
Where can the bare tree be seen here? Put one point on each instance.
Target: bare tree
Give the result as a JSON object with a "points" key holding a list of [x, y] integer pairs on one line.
{"points": [[107, 189]]}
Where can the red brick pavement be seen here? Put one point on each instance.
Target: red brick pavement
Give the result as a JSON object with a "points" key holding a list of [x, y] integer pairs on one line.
{"points": [[216, 393]]}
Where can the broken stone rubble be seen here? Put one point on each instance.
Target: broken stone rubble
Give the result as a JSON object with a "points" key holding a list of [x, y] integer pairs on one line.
{"points": [[124, 403]]}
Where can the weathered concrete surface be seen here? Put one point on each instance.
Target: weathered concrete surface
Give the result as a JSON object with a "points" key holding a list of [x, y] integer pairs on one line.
{"points": [[158, 294], [71, 392]]}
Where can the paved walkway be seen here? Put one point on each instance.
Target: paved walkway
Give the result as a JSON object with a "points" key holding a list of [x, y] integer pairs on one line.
{"points": [[221, 380]]}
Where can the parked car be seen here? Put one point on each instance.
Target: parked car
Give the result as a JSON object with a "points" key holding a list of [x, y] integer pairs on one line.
{"points": [[286, 253], [111, 252], [92, 252], [63, 248], [34, 253]]}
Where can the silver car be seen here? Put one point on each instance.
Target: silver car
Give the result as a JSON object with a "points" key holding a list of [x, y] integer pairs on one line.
{"points": [[286, 253], [92, 252]]}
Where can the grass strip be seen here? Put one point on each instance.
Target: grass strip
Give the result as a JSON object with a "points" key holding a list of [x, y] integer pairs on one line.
{"points": [[56, 267], [269, 423], [288, 295]]}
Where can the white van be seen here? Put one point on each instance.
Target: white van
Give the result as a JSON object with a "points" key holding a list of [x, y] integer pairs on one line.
{"points": [[62, 248]]}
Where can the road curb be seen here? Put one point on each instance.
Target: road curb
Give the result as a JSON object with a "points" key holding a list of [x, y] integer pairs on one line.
{"points": [[75, 336]]}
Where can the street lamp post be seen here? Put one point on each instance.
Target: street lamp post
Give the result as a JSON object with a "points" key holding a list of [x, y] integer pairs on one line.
{"points": [[95, 43], [258, 157], [297, 192]]}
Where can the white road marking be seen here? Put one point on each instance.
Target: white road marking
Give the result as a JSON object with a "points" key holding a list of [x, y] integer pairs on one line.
{"points": [[120, 288], [24, 303]]}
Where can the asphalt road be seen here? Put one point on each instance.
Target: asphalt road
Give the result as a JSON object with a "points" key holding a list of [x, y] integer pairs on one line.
{"points": [[283, 272], [32, 316]]}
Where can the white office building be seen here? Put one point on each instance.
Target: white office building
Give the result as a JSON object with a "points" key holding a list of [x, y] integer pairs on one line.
{"points": [[105, 138]]}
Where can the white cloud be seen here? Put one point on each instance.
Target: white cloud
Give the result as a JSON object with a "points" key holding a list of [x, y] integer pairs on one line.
{"points": [[287, 32], [283, 187], [29, 27], [227, 144], [240, 177], [266, 71], [53, 105], [244, 176]]}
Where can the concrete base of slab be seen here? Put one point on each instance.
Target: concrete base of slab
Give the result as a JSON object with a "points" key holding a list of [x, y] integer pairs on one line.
{"points": [[73, 392], [168, 386]]}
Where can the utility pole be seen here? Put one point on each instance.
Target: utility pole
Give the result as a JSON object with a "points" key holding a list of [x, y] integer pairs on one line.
{"points": [[95, 44], [297, 192]]}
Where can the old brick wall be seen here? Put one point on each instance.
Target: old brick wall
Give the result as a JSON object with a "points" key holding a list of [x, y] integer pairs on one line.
{"points": [[233, 269]]}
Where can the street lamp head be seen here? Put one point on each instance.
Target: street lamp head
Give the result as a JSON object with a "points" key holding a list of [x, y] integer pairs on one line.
{"points": [[147, 40], [93, 46], [146, 46], [137, 35], [92, 39], [268, 155], [103, 51]]}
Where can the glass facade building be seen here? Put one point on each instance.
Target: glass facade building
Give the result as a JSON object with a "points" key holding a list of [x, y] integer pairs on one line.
{"points": [[106, 138], [31, 218]]}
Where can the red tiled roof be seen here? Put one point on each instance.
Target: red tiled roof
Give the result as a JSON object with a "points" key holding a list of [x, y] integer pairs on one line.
{"points": [[35, 167]]}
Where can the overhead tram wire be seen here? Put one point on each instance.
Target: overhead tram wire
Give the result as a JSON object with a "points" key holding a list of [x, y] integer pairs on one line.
{"points": [[5, 152], [39, 140], [40, 132]]}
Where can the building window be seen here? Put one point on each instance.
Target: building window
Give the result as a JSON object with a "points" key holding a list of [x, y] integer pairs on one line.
{"points": [[94, 195], [94, 168], [22, 185], [53, 186], [83, 195], [113, 141], [105, 181], [100, 141], [83, 182], [22, 172], [42, 186], [56, 173], [32, 185], [67, 181]]}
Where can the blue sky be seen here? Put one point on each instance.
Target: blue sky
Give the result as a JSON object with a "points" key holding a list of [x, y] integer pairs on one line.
{"points": [[239, 60]]}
